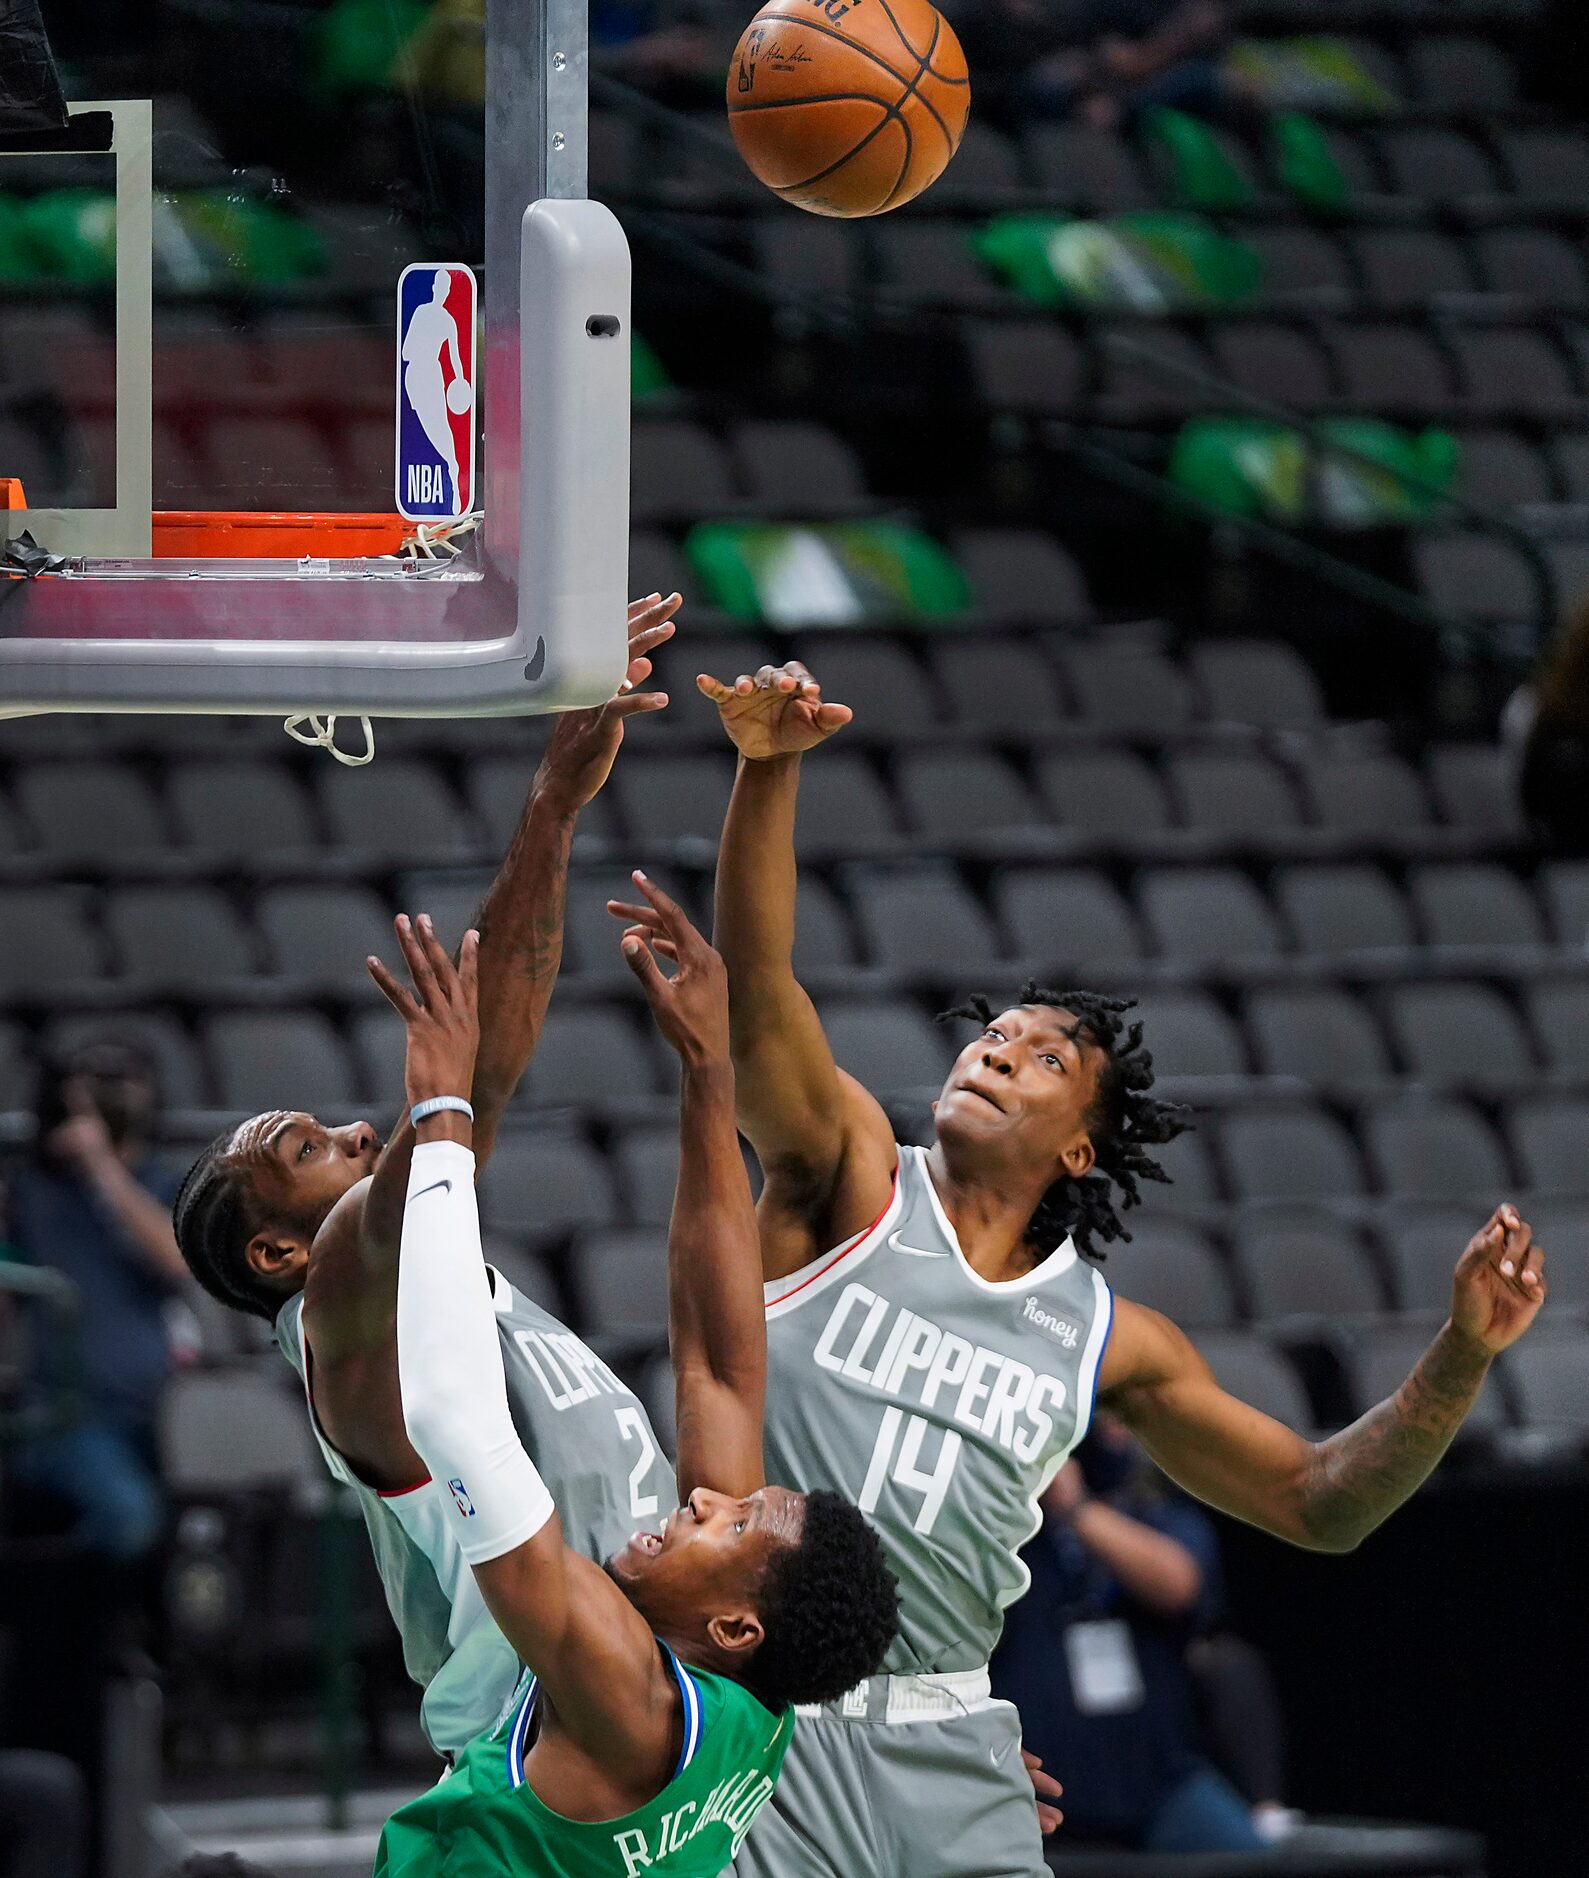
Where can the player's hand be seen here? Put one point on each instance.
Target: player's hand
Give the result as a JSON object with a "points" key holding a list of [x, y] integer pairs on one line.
{"points": [[691, 1007], [440, 1012], [1047, 1790], [1500, 1282], [778, 712], [580, 751]]}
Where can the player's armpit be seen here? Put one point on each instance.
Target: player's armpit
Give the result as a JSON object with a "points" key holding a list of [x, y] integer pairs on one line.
{"points": [[1217, 1447]]}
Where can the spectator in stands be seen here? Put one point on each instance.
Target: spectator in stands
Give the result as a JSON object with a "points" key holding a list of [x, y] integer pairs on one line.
{"points": [[1556, 750], [1125, 1574], [93, 1203], [1100, 60]]}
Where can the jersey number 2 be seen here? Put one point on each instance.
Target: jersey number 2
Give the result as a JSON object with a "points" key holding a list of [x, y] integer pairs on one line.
{"points": [[897, 1458], [632, 1426]]}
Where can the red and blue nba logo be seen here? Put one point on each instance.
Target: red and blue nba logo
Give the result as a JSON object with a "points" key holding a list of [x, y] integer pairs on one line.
{"points": [[435, 391]]}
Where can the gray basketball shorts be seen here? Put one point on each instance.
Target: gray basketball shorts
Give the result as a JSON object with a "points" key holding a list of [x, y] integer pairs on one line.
{"points": [[902, 1778]]}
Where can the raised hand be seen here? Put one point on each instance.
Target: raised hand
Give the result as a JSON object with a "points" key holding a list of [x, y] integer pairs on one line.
{"points": [[779, 712], [440, 1012], [581, 749], [691, 1007], [1500, 1282]]}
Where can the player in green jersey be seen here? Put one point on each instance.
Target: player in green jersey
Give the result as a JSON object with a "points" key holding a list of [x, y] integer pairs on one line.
{"points": [[657, 1710]]}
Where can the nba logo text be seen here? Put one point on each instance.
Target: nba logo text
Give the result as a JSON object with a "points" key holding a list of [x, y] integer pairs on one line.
{"points": [[435, 392]]}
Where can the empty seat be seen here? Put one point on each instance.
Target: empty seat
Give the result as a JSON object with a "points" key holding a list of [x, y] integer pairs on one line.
{"points": [[84, 808], [540, 1185], [240, 807], [1550, 1138], [1436, 165], [1257, 682], [176, 1060], [1460, 74], [179, 937], [933, 260], [811, 256], [887, 1045], [1571, 456], [1566, 890], [885, 687], [498, 789], [1387, 369], [678, 471], [1322, 1034], [1207, 916], [1548, 164], [1466, 1035], [1383, 1356], [588, 1055], [843, 807], [235, 1430], [1107, 793], [647, 1164], [1550, 1373], [325, 933], [1406, 267], [623, 1284], [1021, 574], [1335, 910], [451, 897], [1232, 794], [796, 469], [1422, 1243], [1054, 915], [1535, 263], [1476, 575], [1305, 1261], [1029, 367], [49, 942], [1148, 373], [663, 799], [1188, 1162], [1004, 687], [1290, 1154], [591, 934], [1171, 1267], [1189, 1035], [1365, 794], [656, 566], [279, 1060], [1273, 362], [1513, 371], [1498, 469], [921, 919], [1301, 266], [1129, 692], [1474, 904], [1087, 168], [396, 804], [963, 796], [1435, 1150], [1559, 1015], [1475, 786], [1255, 1372], [824, 940]]}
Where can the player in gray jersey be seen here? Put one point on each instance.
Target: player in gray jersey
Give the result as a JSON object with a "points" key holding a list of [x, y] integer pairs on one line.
{"points": [[300, 1224], [937, 1336]]}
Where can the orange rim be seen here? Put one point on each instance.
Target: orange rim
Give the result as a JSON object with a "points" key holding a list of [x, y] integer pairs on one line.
{"points": [[202, 534]]}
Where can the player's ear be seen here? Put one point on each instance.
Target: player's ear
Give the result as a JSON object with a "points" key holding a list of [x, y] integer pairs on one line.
{"points": [[738, 1634], [1078, 1158], [276, 1252]]}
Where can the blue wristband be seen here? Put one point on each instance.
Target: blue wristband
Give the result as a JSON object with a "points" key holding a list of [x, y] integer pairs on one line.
{"points": [[438, 1105]]}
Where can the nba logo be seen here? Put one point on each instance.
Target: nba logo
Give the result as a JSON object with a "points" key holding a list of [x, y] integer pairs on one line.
{"points": [[461, 1495], [435, 392]]}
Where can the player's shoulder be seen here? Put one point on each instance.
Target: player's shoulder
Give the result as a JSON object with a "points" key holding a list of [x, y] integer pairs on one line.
{"points": [[1145, 1349]]}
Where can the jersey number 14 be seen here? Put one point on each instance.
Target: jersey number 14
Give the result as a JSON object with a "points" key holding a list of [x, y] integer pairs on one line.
{"points": [[896, 1457]]}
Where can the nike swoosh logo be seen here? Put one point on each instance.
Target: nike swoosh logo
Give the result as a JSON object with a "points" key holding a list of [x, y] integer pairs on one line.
{"points": [[915, 1251], [443, 1186]]}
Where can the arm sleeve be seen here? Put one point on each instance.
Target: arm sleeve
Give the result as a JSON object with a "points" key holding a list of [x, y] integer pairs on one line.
{"points": [[449, 1359]]}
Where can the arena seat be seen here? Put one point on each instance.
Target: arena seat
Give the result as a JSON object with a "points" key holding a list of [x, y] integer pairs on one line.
{"points": [[543, 1183], [1106, 794], [1249, 1366], [241, 807], [966, 797], [1463, 1036], [920, 919], [1381, 1355], [1207, 916], [1319, 1033], [1295, 1154], [1300, 1261], [1170, 1266], [1431, 1150], [91, 809], [1190, 1036], [887, 1045], [1056, 914], [283, 1059], [314, 933]]}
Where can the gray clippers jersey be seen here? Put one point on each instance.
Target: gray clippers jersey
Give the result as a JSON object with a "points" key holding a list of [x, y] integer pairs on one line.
{"points": [[594, 1446], [940, 1403]]}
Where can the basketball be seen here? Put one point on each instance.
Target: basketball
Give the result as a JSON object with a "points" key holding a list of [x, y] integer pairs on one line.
{"points": [[848, 107], [459, 396]]}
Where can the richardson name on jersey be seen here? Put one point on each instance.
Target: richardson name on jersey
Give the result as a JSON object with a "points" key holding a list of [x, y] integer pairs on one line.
{"points": [[736, 1801], [906, 1357]]}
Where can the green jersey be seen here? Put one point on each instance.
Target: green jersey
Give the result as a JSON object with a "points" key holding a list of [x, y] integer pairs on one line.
{"points": [[484, 1821]]}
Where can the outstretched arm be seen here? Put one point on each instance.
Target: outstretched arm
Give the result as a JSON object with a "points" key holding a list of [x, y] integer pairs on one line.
{"points": [[565, 1618], [825, 1145], [1326, 1495], [717, 1330]]}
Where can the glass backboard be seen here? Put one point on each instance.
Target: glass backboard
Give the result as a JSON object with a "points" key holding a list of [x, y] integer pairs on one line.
{"points": [[314, 363]]}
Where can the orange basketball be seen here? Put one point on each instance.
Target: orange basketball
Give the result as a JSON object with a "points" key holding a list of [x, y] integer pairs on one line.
{"points": [[848, 107]]}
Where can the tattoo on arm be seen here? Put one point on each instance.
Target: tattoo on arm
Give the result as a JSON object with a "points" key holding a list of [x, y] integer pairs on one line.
{"points": [[1361, 1475]]}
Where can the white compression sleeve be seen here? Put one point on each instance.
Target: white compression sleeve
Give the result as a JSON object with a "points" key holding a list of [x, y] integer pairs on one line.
{"points": [[449, 1362]]}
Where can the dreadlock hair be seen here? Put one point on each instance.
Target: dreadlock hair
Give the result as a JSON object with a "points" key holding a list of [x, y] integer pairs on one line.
{"points": [[829, 1608], [1125, 1121], [213, 1221]]}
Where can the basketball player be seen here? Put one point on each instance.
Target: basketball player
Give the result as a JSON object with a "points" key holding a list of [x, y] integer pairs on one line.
{"points": [[298, 1223], [937, 1335], [655, 1713]]}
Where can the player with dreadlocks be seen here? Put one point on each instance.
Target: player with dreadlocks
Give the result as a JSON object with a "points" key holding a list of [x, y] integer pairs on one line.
{"points": [[938, 1330]]}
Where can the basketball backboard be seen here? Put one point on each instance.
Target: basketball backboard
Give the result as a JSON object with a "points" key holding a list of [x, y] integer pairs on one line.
{"points": [[242, 364]]}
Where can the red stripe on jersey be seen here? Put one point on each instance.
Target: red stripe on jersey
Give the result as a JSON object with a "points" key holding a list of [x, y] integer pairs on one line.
{"points": [[843, 1252]]}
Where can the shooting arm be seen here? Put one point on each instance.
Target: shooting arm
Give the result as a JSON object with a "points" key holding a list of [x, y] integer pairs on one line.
{"points": [[716, 1328], [1324, 1495]]}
